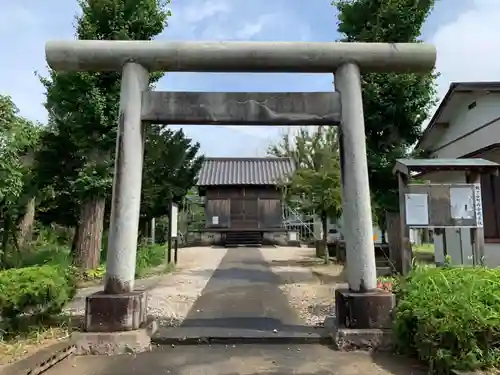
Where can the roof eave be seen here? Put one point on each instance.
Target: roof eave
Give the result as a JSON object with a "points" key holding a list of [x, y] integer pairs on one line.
{"points": [[421, 144], [454, 87]]}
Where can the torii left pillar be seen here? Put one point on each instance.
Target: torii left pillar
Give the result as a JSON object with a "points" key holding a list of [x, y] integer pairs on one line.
{"points": [[120, 308]]}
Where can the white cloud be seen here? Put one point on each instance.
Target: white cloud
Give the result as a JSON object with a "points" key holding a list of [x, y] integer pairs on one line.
{"points": [[468, 48], [251, 29], [202, 10], [248, 30]]}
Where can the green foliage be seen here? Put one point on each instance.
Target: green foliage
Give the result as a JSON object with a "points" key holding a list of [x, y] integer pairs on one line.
{"points": [[395, 105], [18, 141], [148, 257], [38, 291], [13, 137], [95, 274], [76, 162], [316, 182], [171, 164], [450, 317]]}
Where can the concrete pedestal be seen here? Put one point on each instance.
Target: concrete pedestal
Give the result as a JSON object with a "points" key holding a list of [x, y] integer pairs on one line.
{"points": [[115, 324], [363, 320], [115, 312], [366, 310]]}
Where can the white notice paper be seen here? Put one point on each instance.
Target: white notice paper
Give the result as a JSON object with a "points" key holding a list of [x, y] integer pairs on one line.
{"points": [[417, 211], [462, 203], [175, 218], [215, 220]]}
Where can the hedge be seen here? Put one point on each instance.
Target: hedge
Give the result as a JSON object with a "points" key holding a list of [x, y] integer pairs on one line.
{"points": [[450, 317], [37, 291]]}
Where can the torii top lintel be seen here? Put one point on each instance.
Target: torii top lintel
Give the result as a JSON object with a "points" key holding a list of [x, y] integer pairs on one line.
{"points": [[290, 57]]}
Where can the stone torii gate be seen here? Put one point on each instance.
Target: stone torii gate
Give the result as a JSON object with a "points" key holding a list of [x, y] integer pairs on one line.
{"points": [[119, 307]]}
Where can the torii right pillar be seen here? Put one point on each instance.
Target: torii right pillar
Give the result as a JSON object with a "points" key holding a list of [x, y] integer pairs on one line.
{"points": [[363, 312]]}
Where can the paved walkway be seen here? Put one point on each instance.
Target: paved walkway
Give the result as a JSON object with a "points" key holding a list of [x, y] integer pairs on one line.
{"points": [[240, 360], [242, 299]]}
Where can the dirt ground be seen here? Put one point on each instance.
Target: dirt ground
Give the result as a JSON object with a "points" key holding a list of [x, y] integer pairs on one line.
{"points": [[307, 282]]}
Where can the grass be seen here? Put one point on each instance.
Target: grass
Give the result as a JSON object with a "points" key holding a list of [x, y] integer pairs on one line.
{"points": [[449, 317], [426, 248], [423, 253], [38, 335], [162, 269], [34, 337]]}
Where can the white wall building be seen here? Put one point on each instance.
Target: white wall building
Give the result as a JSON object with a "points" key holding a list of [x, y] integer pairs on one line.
{"points": [[467, 125]]}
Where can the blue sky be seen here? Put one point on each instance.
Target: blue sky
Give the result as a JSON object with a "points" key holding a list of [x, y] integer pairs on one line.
{"points": [[466, 33]]}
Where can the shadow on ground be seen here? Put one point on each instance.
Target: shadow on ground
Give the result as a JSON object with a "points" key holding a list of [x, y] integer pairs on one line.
{"points": [[306, 262], [245, 323], [252, 275]]}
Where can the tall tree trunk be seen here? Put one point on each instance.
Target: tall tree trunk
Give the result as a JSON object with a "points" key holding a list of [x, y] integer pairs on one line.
{"points": [[26, 225], [74, 242], [89, 234]]}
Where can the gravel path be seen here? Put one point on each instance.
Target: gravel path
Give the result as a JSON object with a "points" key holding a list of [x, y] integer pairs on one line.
{"points": [[308, 284], [170, 296]]}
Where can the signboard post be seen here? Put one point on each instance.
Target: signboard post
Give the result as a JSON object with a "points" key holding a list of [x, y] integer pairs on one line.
{"points": [[172, 231], [174, 216]]}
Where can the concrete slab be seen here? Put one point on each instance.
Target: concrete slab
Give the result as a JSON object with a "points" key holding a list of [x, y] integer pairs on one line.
{"points": [[200, 335], [347, 339], [242, 360], [113, 343]]}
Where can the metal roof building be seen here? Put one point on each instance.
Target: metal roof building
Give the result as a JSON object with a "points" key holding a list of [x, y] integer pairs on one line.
{"points": [[245, 171]]}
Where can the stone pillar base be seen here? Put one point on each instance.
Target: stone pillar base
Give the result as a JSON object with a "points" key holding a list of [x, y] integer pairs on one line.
{"points": [[115, 324], [369, 310], [114, 343], [115, 312], [363, 320]]}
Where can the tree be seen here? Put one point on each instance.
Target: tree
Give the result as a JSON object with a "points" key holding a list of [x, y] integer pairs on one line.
{"points": [[83, 109], [317, 177], [18, 138], [395, 105], [171, 164]]}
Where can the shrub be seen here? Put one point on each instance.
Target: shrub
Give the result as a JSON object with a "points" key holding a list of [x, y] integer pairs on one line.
{"points": [[450, 317], [40, 255], [38, 291], [149, 256]]}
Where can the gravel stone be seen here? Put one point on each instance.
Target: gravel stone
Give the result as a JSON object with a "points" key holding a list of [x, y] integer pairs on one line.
{"points": [[170, 296], [308, 284]]}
